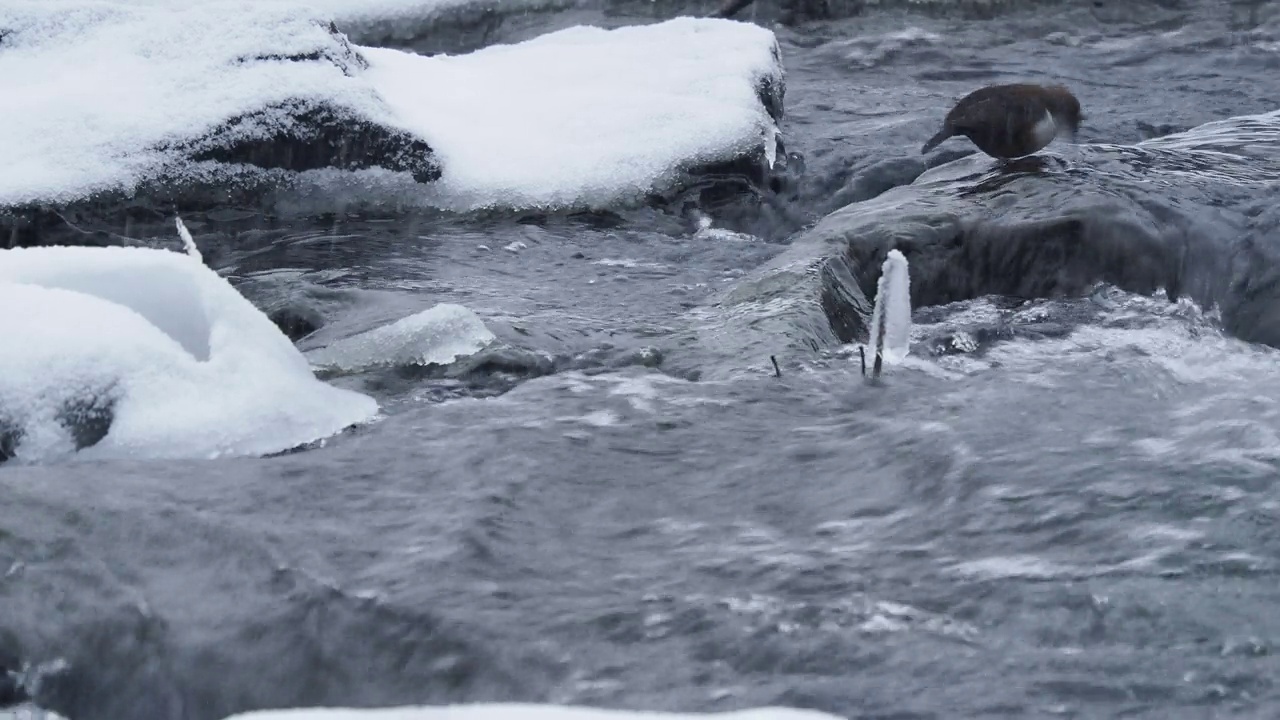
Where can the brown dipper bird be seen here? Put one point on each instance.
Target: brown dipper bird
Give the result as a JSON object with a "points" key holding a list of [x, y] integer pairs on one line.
{"points": [[1010, 121]]}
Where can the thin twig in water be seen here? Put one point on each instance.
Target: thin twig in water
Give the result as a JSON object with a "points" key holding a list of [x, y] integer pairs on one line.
{"points": [[862, 353], [777, 371], [127, 241]]}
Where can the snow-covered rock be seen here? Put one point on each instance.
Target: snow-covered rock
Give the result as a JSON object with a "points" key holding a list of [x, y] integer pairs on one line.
{"points": [[381, 22], [108, 100], [586, 115], [133, 352], [105, 97], [515, 711]]}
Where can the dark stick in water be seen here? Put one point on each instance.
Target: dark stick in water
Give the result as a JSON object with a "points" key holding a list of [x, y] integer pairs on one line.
{"points": [[777, 371]]}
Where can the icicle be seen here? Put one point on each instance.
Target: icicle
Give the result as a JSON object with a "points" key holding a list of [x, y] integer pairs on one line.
{"points": [[188, 243], [890, 336]]}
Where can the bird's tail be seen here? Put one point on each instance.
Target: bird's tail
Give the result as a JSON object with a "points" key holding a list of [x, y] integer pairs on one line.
{"points": [[936, 140]]}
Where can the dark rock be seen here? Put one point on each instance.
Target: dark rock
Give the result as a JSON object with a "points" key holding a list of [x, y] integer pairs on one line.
{"points": [[1190, 214], [11, 690], [314, 138], [10, 438], [296, 321], [880, 177], [86, 418], [1250, 309], [89, 419], [1148, 131], [803, 302]]}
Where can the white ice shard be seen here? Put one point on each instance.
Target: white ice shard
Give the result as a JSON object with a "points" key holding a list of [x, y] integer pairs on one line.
{"points": [[438, 335], [891, 318]]}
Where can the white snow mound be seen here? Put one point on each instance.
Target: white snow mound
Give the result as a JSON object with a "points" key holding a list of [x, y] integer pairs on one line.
{"points": [[98, 96], [514, 711], [191, 367], [394, 18], [583, 115], [438, 335], [104, 97]]}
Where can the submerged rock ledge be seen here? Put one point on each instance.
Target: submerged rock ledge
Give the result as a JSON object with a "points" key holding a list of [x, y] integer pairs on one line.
{"points": [[1191, 214]]}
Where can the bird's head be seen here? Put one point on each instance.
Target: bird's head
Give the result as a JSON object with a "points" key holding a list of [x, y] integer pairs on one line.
{"points": [[1065, 109]]}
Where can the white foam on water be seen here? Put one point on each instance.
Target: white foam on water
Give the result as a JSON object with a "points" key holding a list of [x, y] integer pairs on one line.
{"points": [[103, 97], [192, 368], [517, 711], [438, 335]]}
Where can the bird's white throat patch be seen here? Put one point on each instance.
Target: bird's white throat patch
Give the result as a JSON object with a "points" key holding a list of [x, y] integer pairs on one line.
{"points": [[1046, 129]]}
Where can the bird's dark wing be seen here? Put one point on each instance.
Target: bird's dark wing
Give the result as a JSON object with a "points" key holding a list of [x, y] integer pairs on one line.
{"points": [[988, 113]]}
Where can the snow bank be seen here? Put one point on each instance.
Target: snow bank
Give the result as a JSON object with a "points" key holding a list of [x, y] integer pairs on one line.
{"points": [[161, 347], [103, 96], [28, 712], [364, 16], [584, 114], [502, 711], [106, 97], [438, 336]]}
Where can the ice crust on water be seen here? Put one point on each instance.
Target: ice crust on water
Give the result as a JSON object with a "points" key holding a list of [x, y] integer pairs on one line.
{"points": [[583, 114], [516, 711], [438, 335], [893, 309], [98, 97], [193, 368]]}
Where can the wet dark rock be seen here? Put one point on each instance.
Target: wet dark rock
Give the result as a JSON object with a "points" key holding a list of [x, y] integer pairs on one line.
{"points": [[10, 437], [880, 177], [802, 303], [1149, 130], [1189, 214], [313, 138], [11, 690], [296, 321], [1250, 309]]}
